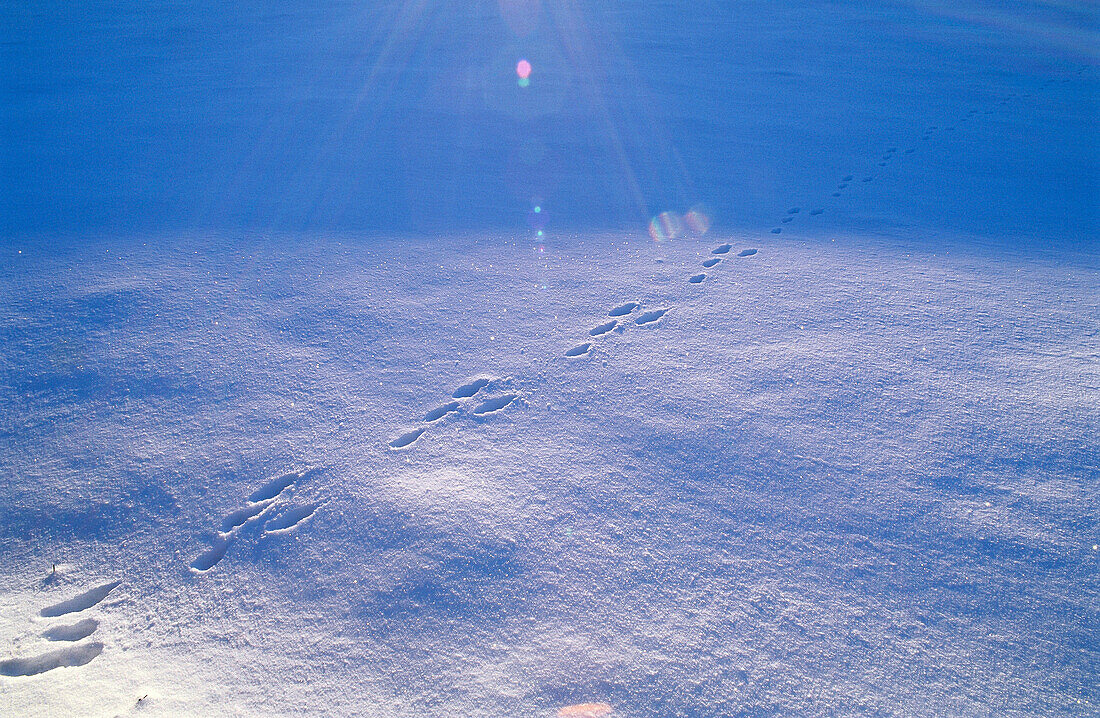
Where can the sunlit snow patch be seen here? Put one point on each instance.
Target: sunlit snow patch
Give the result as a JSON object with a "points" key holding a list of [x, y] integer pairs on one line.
{"points": [[585, 710]]}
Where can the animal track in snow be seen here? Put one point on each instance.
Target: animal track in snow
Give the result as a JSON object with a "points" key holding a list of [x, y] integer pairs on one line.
{"points": [[290, 519], [82, 602], [441, 411], [276, 486], [210, 558], [603, 328], [721, 249], [623, 309], [777, 230], [74, 632], [407, 438], [258, 505], [747, 252], [711, 262], [696, 279], [467, 390], [577, 351], [650, 316], [78, 655], [491, 406]]}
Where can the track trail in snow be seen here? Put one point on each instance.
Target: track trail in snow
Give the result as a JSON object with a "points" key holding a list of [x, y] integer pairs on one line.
{"points": [[78, 654], [884, 160], [271, 509], [630, 314]]}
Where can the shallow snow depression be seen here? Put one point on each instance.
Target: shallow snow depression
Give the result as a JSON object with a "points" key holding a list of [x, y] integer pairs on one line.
{"points": [[332, 476]]}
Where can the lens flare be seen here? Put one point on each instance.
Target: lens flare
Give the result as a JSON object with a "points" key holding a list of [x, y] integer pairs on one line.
{"points": [[523, 69], [698, 220], [536, 216], [665, 226]]}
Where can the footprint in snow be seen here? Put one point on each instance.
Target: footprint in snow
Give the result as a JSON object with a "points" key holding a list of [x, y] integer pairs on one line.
{"points": [[289, 519], [711, 262], [441, 411], [77, 655], [604, 328], [492, 406], [623, 309], [650, 317], [469, 389], [407, 438], [80, 602], [577, 351], [72, 632]]}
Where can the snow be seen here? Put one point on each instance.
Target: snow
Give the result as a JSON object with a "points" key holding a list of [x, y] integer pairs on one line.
{"points": [[255, 466]]}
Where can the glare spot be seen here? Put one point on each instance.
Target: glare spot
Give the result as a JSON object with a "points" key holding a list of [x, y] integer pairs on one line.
{"points": [[536, 217], [665, 226], [523, 69], [523, 82], [698, 219]]}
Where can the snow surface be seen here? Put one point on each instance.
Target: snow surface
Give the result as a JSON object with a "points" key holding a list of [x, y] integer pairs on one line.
{"points": [[851, 470]]}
